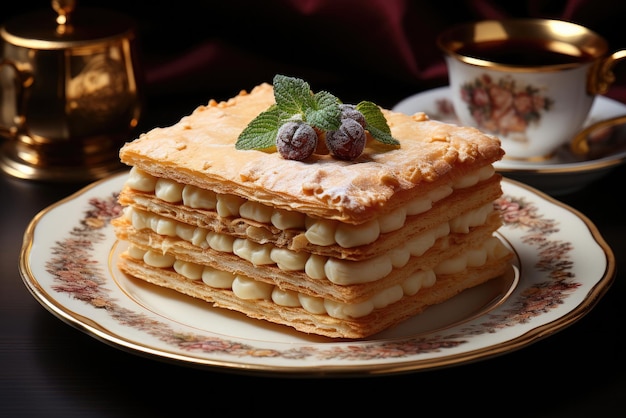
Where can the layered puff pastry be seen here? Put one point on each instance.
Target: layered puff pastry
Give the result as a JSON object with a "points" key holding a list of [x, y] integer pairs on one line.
{"points": [[343, 249]]}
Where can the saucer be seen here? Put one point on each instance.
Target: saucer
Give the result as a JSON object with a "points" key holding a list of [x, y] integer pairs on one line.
{"points": [[564, 173]]}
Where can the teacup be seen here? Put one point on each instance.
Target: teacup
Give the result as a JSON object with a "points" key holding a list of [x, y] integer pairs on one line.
{"points": [[531, 82]]}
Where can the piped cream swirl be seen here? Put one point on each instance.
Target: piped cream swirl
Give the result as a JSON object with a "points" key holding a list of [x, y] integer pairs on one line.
{"points": [[247, 288], [317, 232], [338, 271]]}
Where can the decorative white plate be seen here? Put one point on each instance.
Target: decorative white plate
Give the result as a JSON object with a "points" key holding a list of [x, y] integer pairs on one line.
{"points": [[565, 173], [563, 267]]}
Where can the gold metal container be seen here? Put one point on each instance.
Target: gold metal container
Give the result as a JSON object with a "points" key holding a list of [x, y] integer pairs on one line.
{"points": [[70, 92]]}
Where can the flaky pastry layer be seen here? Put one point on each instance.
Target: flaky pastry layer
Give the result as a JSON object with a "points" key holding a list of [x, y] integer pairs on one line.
{"points": [[458, 203], [199, 150], [445, 248], [446, 287]]}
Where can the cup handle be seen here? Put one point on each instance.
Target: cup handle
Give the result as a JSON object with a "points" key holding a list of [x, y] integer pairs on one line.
{"points": [[580, 143], [22, 81], [601, 75]]}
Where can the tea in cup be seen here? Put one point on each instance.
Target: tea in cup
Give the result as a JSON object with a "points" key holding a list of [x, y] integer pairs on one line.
{"points": [[531, 82]]}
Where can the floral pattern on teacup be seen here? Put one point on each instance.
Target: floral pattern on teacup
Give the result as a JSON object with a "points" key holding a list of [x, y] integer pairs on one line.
{"points": [[504, 107]]}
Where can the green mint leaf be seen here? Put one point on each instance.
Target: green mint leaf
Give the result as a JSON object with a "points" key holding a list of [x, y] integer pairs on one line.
{"points": [[376, 123], [382, 136], [261, 132], [292, 95], [296, 102], [324, 113]]}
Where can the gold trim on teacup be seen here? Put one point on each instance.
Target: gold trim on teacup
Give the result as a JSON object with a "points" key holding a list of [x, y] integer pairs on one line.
{"points": [[580, 143], [566, 37]]}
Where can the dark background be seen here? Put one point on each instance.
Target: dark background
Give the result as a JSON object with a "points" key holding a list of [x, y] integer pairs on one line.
{"points": [[377, 50], [382, 51]]}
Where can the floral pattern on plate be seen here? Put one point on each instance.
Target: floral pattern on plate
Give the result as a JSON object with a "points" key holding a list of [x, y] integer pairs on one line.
{"points": [[77, 276]]}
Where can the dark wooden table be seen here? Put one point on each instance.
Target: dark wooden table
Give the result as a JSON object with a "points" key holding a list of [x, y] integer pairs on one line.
{"points": [[48, 368]]}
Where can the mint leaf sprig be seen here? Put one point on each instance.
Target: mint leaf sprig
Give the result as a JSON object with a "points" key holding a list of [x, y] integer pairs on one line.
{"points": [[376, 123], [296, 102]]}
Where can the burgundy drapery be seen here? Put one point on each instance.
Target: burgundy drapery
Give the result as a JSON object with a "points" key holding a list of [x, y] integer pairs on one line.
{"points": [[384, 47], [382, 50]]}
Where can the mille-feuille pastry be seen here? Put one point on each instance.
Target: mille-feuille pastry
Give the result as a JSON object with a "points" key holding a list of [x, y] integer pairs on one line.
{"points": [[312, 235]]}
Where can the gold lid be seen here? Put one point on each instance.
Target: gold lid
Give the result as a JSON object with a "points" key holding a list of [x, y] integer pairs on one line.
{"points": [[65, 26]]}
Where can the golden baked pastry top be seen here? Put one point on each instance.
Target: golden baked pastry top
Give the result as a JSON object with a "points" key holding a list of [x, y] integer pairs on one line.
{"points": [[200, 150]]}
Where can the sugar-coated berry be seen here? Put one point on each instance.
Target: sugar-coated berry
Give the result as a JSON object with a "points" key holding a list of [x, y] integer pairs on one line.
{"points": [[349, 111], [348, 142], [296, 140]]}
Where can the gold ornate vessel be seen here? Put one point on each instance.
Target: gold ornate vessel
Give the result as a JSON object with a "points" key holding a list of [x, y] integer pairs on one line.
{"points": [[70, 92]]}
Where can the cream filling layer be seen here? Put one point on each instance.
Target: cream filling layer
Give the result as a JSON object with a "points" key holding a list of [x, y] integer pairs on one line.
{"points": [[338, 271], [318, 232], [249, 289]]}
